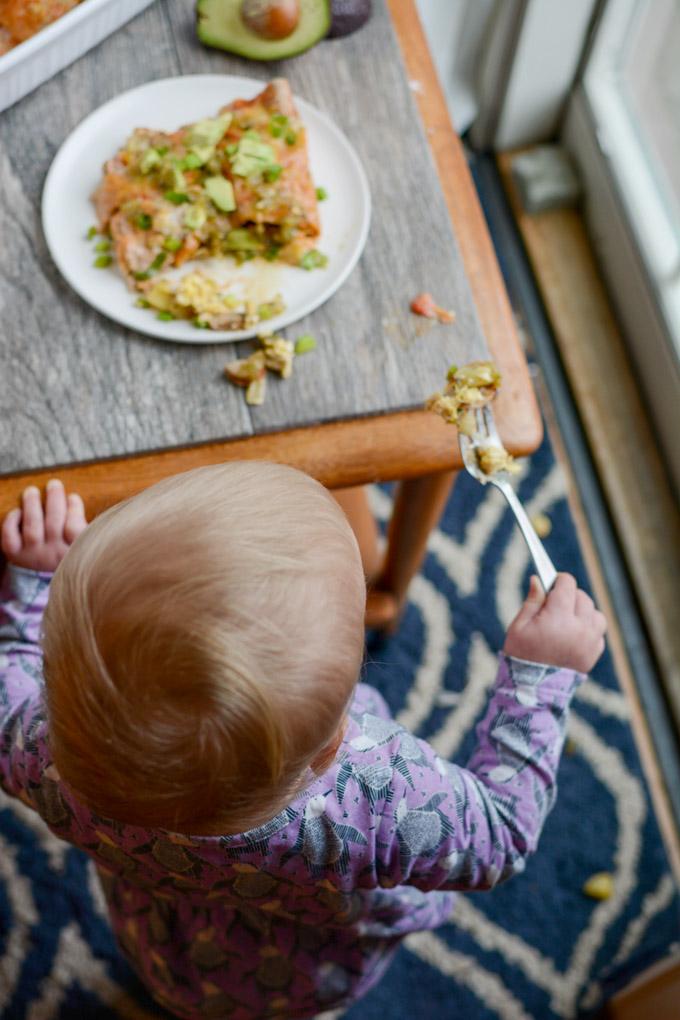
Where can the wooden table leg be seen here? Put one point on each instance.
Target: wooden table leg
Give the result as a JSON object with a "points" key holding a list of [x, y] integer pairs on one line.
{"points": [[418, 505], [354, 502]]}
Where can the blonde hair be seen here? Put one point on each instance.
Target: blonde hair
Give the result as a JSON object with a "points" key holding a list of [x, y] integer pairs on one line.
{"points": [[201, 642]]}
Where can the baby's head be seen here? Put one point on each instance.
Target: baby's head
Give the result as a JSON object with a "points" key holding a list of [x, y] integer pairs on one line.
{"points": [[202, 641]]}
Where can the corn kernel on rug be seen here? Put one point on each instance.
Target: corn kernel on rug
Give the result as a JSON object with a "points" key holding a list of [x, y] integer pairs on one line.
{"points": [[536, 948]]}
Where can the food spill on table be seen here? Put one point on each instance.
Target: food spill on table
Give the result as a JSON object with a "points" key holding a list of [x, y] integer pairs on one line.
{"points": [[425, 305], [275, 355]]}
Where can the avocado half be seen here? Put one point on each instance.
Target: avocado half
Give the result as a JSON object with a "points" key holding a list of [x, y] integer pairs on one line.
{"points": [[220, 25]]}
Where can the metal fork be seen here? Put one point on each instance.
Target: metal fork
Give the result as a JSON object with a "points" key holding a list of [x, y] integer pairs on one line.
{"points": [[486, 436]]}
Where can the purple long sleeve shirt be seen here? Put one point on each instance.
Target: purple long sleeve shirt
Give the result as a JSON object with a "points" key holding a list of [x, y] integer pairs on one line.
{"points": [[303, 913]]}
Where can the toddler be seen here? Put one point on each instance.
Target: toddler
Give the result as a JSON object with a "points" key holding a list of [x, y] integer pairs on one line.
{"points": [[185, 709]]}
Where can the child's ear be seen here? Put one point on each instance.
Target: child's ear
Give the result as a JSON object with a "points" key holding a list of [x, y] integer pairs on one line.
{"points": [[326, 755]]}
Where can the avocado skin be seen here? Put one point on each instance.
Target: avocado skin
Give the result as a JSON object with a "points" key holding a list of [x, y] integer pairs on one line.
{"points": [[348, 15], [219, 24]]}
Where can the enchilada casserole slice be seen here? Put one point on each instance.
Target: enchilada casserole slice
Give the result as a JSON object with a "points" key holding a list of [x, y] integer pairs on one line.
{"points": [[235, 184]]}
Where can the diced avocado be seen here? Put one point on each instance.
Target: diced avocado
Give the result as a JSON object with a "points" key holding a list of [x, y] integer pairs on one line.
{"points": [[190, 162], [243, 240], [194, 217], [252, 156], [220, 190], [203, 153], [149, 160], [220, 24], [173, 178], [208, 132]]}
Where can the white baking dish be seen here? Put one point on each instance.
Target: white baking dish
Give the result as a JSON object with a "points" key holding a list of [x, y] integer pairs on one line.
{"points": [[32, 62]]}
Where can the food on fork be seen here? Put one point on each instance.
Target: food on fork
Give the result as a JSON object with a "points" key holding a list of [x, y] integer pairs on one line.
{"points": [[495, 458], [21, 19], [471, 386], [469, 389], [235, 184]]}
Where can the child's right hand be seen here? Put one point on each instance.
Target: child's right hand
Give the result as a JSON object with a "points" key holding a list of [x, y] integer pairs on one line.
{"points": [[38, 538], [561, 629]]}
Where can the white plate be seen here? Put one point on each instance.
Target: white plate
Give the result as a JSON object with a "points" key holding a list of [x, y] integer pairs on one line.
{"points": [[67, 211]]}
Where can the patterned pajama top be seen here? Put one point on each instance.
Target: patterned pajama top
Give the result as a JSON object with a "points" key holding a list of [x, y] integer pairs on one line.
{"points": [[303, 913]]}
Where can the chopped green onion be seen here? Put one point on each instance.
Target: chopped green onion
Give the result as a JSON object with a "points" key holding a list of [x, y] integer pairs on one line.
{"points": [[102, 261], [102, 245], [305, 343], [451, 374], [92, 233], [142, 275], [200, 324], [165, 316], [177, 197], [144, 221], [172, 243], [321, 194], [163, 150], [291, 137], [142, 303], [158, 261], [313, 260], [277, 124], [272, 252], [272, 173]]}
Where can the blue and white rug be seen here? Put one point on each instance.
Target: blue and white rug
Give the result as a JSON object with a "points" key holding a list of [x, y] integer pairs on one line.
{"points": [[534, 949]]}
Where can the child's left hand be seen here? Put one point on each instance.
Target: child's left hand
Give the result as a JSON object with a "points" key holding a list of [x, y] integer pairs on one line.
{"points": [[37, 538]]}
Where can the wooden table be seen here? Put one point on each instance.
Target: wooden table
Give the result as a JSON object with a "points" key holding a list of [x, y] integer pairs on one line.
{"points": [[111, 412]]}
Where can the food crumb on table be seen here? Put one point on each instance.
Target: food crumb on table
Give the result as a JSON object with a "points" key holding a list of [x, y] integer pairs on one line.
{"points": [[542, 525], [599, 886], [276, 355], [425, 305]]}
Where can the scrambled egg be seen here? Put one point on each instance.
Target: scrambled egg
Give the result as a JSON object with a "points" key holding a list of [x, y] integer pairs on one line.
{"points": [[210, 304]]}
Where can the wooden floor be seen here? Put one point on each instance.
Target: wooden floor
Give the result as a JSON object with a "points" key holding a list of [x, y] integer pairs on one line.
{"points": [[625, 455]]}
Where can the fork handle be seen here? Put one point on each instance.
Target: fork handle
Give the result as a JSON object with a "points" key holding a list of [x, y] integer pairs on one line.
{"points": [[544, 565]]}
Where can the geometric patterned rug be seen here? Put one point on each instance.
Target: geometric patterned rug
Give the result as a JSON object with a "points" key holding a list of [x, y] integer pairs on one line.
{"points": [[534, 949]]}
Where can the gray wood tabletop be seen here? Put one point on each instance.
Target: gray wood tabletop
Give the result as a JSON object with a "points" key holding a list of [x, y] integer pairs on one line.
{"points": [[75, 386]]}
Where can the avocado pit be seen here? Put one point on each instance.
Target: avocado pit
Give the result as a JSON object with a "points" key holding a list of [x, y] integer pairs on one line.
{"points": [[271, 19]]}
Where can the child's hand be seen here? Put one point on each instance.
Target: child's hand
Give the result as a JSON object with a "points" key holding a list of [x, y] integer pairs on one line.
{"points": [[38, 539], [562, 629]]}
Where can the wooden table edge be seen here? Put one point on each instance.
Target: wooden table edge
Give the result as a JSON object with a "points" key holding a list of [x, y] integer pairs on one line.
{"points": [[404, 445], [397, 445]]}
